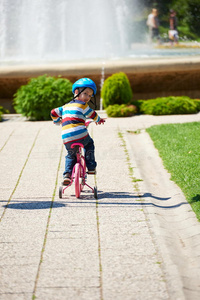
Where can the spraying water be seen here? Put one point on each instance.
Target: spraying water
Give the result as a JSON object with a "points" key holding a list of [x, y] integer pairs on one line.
{"points": [[36, 31], [49, 30]]}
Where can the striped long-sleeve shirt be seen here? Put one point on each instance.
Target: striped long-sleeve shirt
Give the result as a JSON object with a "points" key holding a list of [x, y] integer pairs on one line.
{"points": [[73, 116]]}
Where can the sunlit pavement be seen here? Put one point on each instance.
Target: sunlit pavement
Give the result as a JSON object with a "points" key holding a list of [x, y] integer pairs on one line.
{"points": [[139, 240]]}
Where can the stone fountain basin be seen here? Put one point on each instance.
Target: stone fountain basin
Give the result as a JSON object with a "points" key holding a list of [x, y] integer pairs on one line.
{"points": [[149, 78]]}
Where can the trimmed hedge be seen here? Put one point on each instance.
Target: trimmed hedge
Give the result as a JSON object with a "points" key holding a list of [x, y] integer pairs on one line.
{"points": [[170, 106], [160, 106], [36, 99], [121, 110], [197, 103], [3, 111], [116, 90]]}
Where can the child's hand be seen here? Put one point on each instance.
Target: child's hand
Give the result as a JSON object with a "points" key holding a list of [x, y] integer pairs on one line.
{"points": [[102, 121]]}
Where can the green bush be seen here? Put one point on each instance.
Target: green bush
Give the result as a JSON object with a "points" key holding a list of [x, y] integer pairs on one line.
{"points": [[3, 111], [169, 106], [197, 103], [36, 99], [116, 90], [121, 110], [138, 104]]}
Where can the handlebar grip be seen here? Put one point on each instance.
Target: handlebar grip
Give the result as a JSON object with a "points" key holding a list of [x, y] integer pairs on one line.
{"points": [[101, 121]]}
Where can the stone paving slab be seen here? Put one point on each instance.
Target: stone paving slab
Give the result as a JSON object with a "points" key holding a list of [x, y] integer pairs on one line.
{"points": [[118, 247], [171, 218]]}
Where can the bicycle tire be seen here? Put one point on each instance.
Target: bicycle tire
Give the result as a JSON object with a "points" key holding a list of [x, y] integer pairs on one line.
{"points": [[60, 192], [77, 178], [95, 193]]}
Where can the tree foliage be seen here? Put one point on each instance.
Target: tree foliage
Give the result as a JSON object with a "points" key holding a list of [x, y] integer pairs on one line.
{"points": [[188, 14]]}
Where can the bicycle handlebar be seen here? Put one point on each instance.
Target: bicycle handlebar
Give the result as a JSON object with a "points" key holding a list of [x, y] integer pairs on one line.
{"points": [[87, 123], [102, 121]]}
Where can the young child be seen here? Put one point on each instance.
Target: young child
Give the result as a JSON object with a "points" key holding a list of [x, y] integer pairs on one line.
{"points": [[73, 116]]}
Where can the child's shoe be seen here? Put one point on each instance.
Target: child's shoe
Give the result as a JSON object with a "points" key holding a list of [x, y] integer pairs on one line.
{"points": [[67, 179], [91, 172]]}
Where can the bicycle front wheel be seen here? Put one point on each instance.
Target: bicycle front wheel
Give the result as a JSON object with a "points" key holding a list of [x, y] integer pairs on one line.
{"points": [[77, 180]]}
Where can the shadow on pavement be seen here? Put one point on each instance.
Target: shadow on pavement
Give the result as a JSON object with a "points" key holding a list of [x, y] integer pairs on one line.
{"points": [[128, 195], [88, 198], [34, 205], [125, 200]]}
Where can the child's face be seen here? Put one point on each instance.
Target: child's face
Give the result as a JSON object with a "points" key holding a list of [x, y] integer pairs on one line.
{"points": [[86, 95]]}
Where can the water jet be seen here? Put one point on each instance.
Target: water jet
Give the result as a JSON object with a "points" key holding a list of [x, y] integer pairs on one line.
{"points": [[90, 39]]}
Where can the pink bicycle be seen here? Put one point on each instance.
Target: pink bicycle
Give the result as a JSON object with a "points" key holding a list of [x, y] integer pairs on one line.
{"points": [[79, 174]]}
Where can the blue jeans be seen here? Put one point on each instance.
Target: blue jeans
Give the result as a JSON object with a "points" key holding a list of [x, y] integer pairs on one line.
{"points": [[70, 158]]}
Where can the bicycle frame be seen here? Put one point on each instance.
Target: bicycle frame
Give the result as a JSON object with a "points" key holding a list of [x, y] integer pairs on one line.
{"points": [[79, 175]]}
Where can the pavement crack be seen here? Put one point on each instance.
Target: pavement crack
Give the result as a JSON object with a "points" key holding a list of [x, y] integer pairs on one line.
{"points": [[131, 171], [6, 140], [47, 227], [20, 175], [99, 253], [99, 239]]}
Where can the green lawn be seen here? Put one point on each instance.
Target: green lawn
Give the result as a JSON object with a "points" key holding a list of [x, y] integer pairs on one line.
{"points": [[179, 148]]}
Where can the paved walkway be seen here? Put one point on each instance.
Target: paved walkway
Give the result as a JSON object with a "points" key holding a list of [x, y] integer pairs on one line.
{"points": [[139, 240]]}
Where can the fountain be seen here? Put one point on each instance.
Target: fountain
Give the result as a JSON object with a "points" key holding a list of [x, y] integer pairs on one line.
{"points": [[75, 38], [49, 31], [36, 32]]}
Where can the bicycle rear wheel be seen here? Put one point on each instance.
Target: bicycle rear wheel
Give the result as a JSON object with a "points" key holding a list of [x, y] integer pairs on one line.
{"points": [[60, 191], [77, 180], [95, 193]]}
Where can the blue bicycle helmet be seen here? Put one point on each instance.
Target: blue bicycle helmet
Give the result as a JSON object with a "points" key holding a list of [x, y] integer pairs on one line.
{"points": [[84, 83]]}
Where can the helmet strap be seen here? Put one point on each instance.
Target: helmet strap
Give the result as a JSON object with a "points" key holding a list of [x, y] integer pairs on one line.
{"points": [[78, 94], [94, 103]]}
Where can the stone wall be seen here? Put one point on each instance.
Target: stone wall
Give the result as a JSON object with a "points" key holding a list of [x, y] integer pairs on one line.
{"points": [[148, 78]]}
